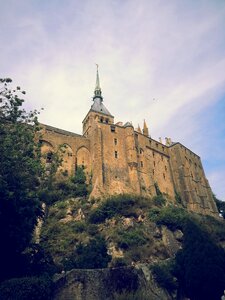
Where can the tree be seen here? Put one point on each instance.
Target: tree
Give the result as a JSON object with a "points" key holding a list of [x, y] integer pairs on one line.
{"points": [[220, 205], [20, 173], [200, 265]]}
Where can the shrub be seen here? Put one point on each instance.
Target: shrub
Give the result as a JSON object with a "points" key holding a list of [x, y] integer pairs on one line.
{"points": [[131, 238], [200, 265], [173, 217], [26, 288], [78, 226], [91, 256], [119, 262], [159, 200], [153, 214], [123, 205], [163, 275]]}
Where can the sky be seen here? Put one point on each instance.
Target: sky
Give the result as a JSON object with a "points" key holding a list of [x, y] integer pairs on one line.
{"points": [[162, 61]]}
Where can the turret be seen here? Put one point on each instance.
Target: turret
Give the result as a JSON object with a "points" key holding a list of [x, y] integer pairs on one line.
{"points": [[145, 129]]}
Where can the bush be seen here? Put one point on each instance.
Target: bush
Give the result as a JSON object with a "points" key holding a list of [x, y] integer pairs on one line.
{"points": [[91, 256], [26, 288], [200, 265], [159, 200], [163, 275], [123, 205], [173, 217], [134, 237]]}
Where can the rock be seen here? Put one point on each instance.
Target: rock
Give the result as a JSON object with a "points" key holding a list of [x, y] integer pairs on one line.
{"points": [[127, 222], [114, 251], [178, 234], [80, 215]]}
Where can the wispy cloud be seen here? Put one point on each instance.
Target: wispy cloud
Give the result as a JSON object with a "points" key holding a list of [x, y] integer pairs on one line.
{"points": [[173, 52]]}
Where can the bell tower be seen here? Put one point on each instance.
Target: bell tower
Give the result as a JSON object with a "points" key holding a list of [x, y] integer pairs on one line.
{"points": [[98, 112]]}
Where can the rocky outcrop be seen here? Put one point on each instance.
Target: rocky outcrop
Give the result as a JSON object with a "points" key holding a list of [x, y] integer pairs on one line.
{"points": [[104, 284]]}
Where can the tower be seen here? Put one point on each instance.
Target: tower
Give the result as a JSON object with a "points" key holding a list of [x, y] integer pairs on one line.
{"points": [[98, 112]]}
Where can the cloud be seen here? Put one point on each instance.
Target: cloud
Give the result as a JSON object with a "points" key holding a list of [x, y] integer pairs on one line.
{"points": [[170, 51]]}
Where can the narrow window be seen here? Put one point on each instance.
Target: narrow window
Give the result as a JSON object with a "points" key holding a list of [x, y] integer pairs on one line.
{"points": [[49, 157], [157, 145], [101, 120], [165, 168], [164, 176], [161, 157], [116, 154], [142, 164], [153, 153], [115, 141], [107, 121], [153, 171], [154, 163]]}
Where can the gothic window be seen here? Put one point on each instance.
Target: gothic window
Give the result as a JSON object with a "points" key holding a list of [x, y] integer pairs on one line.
{"points": [[116, 154]]}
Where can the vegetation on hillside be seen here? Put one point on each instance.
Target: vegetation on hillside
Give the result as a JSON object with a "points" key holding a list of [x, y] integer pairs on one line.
{"points": [[77, 233]]}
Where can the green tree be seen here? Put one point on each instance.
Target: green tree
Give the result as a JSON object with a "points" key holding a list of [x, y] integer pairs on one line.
{"points": [[220, 205], [20, 173], [200, 265]]}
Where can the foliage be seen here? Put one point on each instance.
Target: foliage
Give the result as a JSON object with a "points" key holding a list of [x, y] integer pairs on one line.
{"points": [[90, 256], [130, 238], [74, 186], [200, 265], [122, 205], [26, 288], [178, 198], [20, 171], [159, 200], [163, 274], [173, 217], [220, 205], [157, 190]]}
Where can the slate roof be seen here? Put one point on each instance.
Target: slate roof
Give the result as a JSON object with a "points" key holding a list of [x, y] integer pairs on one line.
{"points": [[98, 106]]}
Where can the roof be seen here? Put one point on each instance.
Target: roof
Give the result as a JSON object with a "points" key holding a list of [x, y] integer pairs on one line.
{"points": [[98, 106]]}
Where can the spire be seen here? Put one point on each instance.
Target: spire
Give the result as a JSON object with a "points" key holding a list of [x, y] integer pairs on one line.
{"points": [[139, 128], [97, 92], [145, 129]]}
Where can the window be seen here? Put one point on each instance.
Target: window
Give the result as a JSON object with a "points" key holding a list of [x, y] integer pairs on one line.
{"points": [[164, 176], [115, 141], [154, 163], [157, 145], [153, 153], [107, 121], [163, 148], [142, 164], [116, 154], [153, 171], [165, 168], [49, 157], [101, 120], [161, 157], [141, 151], [113, 129]]}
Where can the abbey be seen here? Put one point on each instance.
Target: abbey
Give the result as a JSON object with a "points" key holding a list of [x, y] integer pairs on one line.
{"points": [[120, 159]]}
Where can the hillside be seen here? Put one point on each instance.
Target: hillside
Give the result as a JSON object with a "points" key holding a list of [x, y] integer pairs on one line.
{"points": [[127, 231]]}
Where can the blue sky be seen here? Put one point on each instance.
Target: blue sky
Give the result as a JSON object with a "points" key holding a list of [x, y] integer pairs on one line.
{"points": [[171, 51]]}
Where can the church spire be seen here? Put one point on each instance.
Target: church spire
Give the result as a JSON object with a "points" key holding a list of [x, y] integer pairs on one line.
{"points": [[98, 91]]}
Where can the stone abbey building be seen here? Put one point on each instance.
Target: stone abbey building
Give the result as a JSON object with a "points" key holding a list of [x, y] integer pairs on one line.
{"points": [[120, 159]]}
